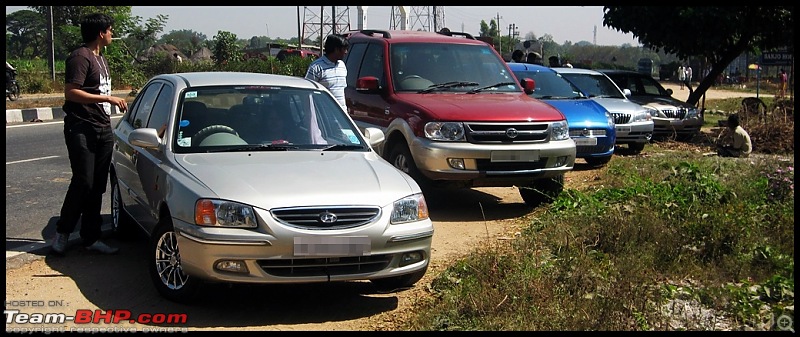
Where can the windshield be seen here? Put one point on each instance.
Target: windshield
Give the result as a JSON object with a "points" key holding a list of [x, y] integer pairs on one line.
{"points": [[218, 119], [639, 85], [595, 85], [550, 85], [420, 66]]}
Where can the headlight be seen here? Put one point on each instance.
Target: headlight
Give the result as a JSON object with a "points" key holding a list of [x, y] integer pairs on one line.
{"points": [[642, 116], [223, 213], [448, 131], [691, 112], [610, 119], [559, 130], [408, 209], [653, 111]]}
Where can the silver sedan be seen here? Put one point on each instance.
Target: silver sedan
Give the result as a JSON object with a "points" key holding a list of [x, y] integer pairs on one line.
{"points": [[257, 178]]}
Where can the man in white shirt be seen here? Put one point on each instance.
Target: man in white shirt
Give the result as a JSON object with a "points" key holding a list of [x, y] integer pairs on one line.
{"points": [[329, 70]]}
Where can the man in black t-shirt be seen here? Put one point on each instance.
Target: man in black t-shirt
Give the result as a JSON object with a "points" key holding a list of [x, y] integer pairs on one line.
{"points": [[87, 134]]}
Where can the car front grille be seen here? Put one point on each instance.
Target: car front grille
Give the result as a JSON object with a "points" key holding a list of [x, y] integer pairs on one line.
{"points": [[620, 118], [498, 133], [589, 149], [674, 113], [489, 166], [323, 218], [325, 266]]}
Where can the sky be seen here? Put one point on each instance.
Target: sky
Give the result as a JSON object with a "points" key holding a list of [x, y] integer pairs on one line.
{"points": [[563, 23]]}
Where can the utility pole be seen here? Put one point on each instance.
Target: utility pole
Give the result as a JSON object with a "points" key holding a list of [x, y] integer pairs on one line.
{"points": [[51, 52], [499, 39]]}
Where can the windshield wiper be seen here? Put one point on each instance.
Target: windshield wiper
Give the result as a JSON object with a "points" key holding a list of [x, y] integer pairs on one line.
{"points": [[477, 90], [340, 147], [256, 147], [454, 84]]}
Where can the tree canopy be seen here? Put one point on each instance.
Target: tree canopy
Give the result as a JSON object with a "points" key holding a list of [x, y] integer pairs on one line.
{"points": [[717, 34]]}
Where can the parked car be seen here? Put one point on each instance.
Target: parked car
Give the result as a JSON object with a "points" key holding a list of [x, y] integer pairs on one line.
{"points": [[633, 122], [453, 113], [590, 124], [675, 118], [258, 178]]}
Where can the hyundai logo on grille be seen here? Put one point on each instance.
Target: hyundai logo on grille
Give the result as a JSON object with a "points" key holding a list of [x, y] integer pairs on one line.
{"points": [[512, 133], [327, 217], [585, 132]]}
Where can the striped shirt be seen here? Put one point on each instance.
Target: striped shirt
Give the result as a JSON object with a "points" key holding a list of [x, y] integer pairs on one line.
{"points": [[331, 75]]}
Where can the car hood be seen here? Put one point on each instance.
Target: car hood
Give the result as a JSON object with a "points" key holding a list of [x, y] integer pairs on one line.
{"points": [[299, 178], [581, 112], [489, 107], [660, 102], [617, 105]]}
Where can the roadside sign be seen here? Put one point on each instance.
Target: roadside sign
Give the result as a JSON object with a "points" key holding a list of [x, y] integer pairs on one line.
{"points": [[777, 58]]}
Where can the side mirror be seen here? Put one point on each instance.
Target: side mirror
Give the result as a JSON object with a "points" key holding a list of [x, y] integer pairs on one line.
{"points": [[145, 137], [528, 85], [368, 84], [627, 92], [374, 136], [669, 91]]}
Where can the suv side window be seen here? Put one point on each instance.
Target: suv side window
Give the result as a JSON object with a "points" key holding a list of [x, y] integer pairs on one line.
{"points": [[353, 61], [372, 65]]}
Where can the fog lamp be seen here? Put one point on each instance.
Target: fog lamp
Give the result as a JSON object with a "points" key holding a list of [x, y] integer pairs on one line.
{"points": [[456, 163], [409, 258], [561, 161], [231, 266]]}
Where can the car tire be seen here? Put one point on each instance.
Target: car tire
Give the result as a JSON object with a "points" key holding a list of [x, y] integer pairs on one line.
{"points": [[636, 147], [122, 224], [391, 284], [597, 161], [400, 157], [165, 267], [542, 190]]}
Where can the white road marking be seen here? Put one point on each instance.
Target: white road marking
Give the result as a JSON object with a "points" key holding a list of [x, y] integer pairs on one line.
{"points": [[27, 160]]}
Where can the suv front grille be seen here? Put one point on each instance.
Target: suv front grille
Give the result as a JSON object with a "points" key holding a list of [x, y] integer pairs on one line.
{"points": [[673, 113], [325, 266], [326, 217], [620, 118], [497, 133]]}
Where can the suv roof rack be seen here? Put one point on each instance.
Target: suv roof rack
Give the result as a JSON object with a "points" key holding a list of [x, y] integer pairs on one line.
{"points": [[370, 32], [449, 33]]}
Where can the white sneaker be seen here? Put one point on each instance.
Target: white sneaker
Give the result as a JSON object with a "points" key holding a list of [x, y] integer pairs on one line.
{"points": [[60, 243], [100, 247]]}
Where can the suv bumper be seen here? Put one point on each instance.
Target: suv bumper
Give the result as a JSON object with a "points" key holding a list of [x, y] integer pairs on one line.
{"points": [[639, 132], [550, 159]]}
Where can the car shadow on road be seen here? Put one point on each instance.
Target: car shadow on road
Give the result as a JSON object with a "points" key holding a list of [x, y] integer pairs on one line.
{"points": [[122, 281], [469, 204]]}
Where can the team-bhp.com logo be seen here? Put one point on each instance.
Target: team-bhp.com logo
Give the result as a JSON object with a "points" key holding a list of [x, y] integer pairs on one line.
{"points": [[85, 316]]}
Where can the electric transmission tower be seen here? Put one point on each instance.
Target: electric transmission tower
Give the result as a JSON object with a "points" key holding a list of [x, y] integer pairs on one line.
{"points": [[425, 18], [319, 22]]}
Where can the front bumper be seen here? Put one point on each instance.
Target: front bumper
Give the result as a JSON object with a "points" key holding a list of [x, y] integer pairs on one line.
{"points": [[638, 132]]}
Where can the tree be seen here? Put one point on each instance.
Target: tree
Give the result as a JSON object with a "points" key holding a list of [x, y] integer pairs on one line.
{"points": [[27, 34], [186, 40], [717, 34], [225, 48]]}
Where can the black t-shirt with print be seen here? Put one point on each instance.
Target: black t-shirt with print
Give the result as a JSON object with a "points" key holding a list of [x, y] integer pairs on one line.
{"points": [[91, 73]]}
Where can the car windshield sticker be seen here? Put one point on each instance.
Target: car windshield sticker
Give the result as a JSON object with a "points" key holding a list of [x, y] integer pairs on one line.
{"points": [[350, 135], [191, 94]]}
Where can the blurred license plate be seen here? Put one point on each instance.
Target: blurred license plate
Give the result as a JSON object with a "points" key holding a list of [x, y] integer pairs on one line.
{"points": [[499, 156], [624, 128], [586, 141], [331, 245]]}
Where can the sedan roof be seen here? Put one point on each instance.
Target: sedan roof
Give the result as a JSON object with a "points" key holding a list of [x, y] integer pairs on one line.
{"points": [[199, 79]]}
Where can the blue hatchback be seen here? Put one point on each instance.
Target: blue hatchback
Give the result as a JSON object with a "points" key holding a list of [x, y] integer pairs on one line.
{"points": [[590, 124]]}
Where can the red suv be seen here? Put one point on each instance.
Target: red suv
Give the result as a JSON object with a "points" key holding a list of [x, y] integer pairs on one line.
{"points": [[454, 114]]}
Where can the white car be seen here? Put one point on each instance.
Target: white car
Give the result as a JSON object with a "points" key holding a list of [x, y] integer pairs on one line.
{"points": [[258, 178], [633, 122]]}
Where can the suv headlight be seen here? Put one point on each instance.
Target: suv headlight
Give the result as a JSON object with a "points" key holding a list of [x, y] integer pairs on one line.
{"points": [[643, 116], [610, 119], [223, 213], [447, 131], [408, 209], [691, 113], [559, 130], [653, 111]]}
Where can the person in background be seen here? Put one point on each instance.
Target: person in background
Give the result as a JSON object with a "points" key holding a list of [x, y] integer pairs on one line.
{"points": [[734, 141], [553, 61], [784, 81], [516, 56], [688, 79], [681, 76], [567, 64], [87, 134], [329, 70], [534, 58]]}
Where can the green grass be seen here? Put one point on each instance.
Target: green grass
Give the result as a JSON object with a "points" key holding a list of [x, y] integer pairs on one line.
{"points": [[663, 228]]}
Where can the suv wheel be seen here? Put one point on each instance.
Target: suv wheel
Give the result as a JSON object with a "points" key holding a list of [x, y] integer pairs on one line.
{"points": [[636, 147], [400, 157], [542, 190], [598, 161], [166, 271], [391, 284]]}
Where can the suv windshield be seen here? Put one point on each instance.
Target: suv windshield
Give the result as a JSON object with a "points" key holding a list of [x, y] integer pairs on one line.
{"points": [[419, 66], [595, 85], [550, 85]]}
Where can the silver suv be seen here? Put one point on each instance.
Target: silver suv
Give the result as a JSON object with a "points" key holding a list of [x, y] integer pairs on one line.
{"points": [[454, 114]]}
